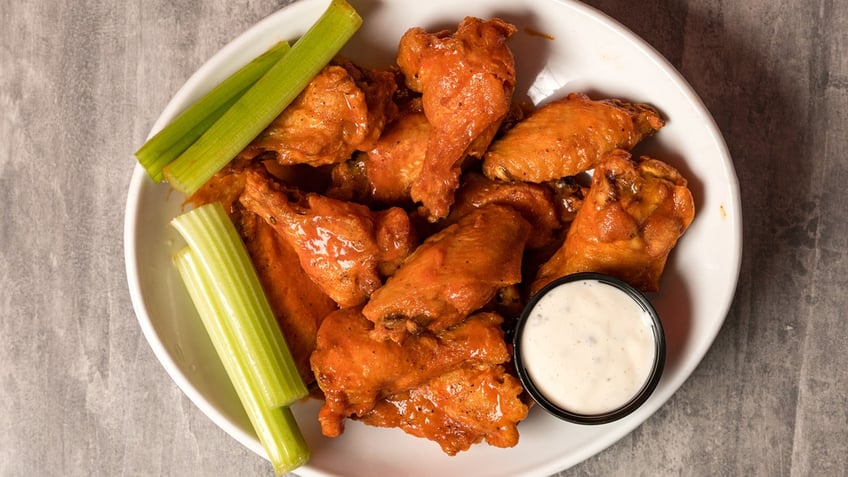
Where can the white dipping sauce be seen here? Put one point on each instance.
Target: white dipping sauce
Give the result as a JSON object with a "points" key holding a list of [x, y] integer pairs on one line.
{"points": [[588, 347]]}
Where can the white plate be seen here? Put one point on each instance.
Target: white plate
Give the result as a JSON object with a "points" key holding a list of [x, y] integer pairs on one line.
{"points": [[588, 52]]}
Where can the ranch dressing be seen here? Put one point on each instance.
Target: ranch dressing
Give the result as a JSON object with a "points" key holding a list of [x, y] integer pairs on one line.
{"points": [[588, 347]]}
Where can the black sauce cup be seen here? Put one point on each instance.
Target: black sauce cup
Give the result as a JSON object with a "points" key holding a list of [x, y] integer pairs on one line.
{"points": [[641, 395]]}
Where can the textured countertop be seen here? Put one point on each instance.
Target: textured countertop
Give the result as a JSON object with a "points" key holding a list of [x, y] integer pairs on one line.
{"points": [[81, 392]]}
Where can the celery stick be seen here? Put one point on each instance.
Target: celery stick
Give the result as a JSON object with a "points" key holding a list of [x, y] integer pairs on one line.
{"points": [[155, 156], [179, 134], [276, 428], [265, 100], [222, 256]]}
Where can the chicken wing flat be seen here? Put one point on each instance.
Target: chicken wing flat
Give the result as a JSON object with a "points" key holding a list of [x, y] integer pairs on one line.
{"points": [[298, 304], [458, 409], [535, 202], [452, 274], [567, 137], [344, 247], [632, 217], [356, 371], [341, 110], [466, 80]]}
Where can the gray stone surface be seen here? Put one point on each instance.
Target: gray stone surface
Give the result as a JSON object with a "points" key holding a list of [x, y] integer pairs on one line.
{"points": [[82, 394]]}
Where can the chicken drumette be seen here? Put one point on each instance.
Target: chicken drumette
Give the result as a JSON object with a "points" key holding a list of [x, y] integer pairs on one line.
{"points": [[346, 248]]}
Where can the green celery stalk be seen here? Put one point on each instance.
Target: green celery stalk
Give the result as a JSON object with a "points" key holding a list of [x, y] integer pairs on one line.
{"points": [[182, 132], [276, 428], [245, 310], [265, 100]]}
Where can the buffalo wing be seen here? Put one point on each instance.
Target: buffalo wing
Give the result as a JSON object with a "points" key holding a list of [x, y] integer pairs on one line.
{"points": [[385, 173], [344, 247], [453, 273], [632, 217], [355, 371], [343, 109], [567, 137], [298, 304], [466, 80], [536, 203], [457, 409]]}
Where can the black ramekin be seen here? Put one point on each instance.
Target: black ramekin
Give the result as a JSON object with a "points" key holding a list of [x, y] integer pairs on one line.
{"points": [[647, 388]]}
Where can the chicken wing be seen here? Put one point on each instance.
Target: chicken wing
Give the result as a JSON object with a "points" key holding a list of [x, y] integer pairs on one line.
{"points": [[341, 110], [355, 371], [458, 409], [535, 202], [344, 247], [466, 80], [452, 274], [298, 304], [386, 172], [567, 137], [632, 217]]}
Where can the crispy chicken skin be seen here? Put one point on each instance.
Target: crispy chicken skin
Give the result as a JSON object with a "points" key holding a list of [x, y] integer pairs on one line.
{"points": [[632, 217], [341, 110], [344, 247], [356, 371], [567, 137], [466, 80], [457, 409], [535, 202], [452, 274], [298, 304]]}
